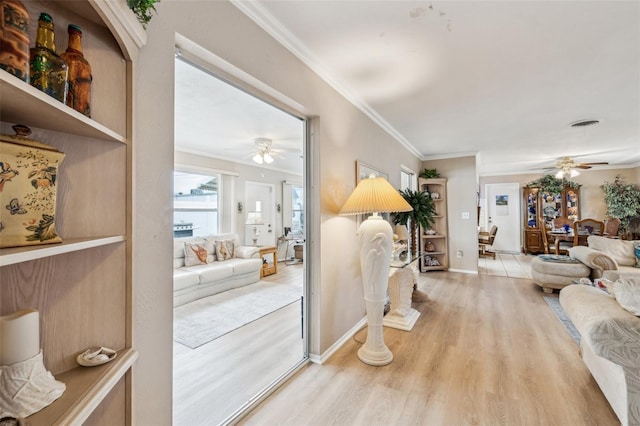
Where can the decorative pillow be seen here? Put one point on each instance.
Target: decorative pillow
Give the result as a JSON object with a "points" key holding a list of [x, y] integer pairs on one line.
{"points": [[199, 253], [627, 293], [225, 249], [636, 250]]}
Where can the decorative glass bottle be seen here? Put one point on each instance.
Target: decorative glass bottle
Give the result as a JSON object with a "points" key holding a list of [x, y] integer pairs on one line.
{"points": [[14, 38], [79, 81], [48, 69]]}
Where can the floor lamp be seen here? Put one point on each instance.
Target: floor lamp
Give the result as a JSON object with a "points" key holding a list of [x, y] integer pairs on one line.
{"points": [[375, 195]]}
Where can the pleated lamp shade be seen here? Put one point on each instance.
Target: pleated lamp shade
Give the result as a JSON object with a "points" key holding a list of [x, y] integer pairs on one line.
{"points": [[374, 195]]}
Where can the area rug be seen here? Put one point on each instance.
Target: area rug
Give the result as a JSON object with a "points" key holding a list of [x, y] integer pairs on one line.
{"points": [[554, 304], [206, 319]]}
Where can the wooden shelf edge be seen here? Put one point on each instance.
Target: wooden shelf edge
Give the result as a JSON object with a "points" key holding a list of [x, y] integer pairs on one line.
{"points": [[86, 388], [46, 112], [434, 236], [9, 256]]}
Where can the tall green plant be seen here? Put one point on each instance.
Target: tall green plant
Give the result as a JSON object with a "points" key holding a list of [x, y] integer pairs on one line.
{"points": [[623, 201], [422, 213]]}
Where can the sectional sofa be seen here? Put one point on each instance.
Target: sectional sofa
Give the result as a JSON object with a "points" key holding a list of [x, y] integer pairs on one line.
{"points": [[203, 266]]}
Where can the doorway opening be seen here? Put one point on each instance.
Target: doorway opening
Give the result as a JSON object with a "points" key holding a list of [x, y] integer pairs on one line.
{"points": [[239, 336]]}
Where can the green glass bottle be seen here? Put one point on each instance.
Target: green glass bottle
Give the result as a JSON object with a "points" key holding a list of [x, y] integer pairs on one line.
{"points": [[48, 69]]}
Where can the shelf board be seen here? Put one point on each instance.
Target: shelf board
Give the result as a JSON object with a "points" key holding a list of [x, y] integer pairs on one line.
{"points": [[19, 100], [437, 236], [9, 256], [86, 388], [434, 253]]}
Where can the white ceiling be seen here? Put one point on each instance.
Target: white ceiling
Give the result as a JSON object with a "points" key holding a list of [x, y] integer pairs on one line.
{"points": [[500, 79]]}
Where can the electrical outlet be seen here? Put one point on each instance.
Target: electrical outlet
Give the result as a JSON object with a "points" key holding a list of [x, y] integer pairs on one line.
{"points": [[465, 215], [459, 254]]}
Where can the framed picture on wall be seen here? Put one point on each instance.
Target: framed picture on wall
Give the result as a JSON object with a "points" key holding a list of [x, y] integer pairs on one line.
{"points": [[363, 171]]}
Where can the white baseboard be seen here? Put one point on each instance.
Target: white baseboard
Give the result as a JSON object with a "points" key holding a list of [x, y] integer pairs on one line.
{"points": [[320, 359]]}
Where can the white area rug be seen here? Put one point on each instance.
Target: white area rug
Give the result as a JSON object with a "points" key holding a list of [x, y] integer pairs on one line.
{"points": [[206, 319]]}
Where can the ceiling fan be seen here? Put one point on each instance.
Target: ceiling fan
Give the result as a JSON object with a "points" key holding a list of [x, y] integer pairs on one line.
{"points": [[264, 151], [567, 167]]}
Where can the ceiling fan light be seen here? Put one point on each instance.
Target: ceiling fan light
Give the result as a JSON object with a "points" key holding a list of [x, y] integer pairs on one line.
{"points": [[559, 174], [268, 158], [574, 173], [258, 158]]}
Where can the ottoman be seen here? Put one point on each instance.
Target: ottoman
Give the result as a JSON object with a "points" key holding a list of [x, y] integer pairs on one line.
{"points": [[551, 272]]}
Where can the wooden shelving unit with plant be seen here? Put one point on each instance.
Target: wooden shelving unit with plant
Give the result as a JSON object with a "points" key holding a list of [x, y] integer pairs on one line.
{"points": [[434, 238], [82, 287]]}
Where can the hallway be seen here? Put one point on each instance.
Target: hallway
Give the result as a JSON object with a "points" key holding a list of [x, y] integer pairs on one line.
{"points": [[506, 265]]}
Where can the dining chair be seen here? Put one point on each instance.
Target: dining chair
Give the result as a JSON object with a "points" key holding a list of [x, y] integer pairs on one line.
{"points": [[611, 227], [485, 239], [560, 221], [585, 227]]}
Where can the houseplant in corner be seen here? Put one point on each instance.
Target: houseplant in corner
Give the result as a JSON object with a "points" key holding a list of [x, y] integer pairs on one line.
{"points": [[422, 214], [623, 202], [143, 10]]}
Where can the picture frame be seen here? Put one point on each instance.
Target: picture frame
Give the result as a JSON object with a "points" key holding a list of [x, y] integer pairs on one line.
{"points": [[363, 171]]}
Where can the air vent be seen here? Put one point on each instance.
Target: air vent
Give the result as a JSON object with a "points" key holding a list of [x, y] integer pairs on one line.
{"points": [[584, 123]]}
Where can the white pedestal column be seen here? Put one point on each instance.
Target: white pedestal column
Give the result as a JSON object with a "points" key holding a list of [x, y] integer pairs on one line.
{"points": [[401, 315], [375, 255]]}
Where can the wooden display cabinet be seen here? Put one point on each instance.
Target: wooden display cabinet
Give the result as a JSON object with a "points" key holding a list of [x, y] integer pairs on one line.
{"points": [[438, 242], [83, 286], [540, 208]]}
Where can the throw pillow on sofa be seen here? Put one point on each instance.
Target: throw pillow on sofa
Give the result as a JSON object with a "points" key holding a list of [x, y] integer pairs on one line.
{"points": [[636, 250], [198, 253], [627, 293], [225, 249]]}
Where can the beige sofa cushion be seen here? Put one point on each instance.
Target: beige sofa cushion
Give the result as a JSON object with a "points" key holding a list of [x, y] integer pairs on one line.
{"points": [[620, 250]]}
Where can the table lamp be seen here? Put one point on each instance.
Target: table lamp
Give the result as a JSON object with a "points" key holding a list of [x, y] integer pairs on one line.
{"points": [[375, 195], [254, 218]]}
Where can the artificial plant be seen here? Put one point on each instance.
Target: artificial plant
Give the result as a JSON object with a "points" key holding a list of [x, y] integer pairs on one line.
{"points": [[552, 184], [623, 201], [422, 214], [143, 9], [429, 174]]}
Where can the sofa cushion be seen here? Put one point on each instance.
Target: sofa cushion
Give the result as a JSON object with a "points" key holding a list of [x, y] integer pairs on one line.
{"points": [[225, 249], [594, 259], [636, 251], [620, 250], [198, 253], [184, 279], [215, 271], [245, 266]]}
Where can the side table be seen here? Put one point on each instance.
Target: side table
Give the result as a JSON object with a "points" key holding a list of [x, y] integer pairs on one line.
{"points": [[269, 268], [401, 279]]}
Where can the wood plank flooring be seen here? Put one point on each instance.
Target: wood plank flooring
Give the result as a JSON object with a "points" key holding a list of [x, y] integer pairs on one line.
{"points": [[486, 350], [214, 380]]}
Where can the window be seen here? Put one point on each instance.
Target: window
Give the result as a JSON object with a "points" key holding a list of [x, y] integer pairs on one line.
{"points": [[407, 179], [195, 204], [297, 210]]}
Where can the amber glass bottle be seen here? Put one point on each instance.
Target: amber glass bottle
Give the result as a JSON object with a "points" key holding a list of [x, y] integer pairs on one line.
{"points": [[14, 38], [48, 69], [79, 87]]}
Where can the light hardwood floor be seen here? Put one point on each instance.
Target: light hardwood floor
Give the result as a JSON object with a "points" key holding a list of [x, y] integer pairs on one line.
{"points": [[486, 350], [214, 380]]}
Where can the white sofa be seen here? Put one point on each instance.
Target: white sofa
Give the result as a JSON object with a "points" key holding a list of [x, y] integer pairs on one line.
{"points": [[215, 276], [608, 258], [610, 346]]}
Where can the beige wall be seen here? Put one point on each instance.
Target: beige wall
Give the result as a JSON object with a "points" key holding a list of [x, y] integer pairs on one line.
{"points": [[591, 196], [342, 135], [461, 197]]}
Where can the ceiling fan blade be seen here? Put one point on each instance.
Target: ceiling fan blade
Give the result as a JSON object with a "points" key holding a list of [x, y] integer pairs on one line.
{"points": [[582, 166], [593, 164]]}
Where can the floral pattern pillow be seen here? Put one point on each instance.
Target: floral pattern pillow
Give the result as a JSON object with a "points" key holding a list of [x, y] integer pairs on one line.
{"points": [[225, 249]]}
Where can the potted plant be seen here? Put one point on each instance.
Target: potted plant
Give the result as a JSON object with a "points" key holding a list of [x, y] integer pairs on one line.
{"points": [[143, 10], [422, 214], [552, 184], [623, 202], [429, 174]]}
